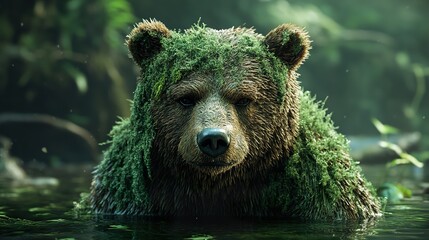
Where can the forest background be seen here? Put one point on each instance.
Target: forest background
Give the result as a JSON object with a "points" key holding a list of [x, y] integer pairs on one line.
{"points": [[68, 59]]}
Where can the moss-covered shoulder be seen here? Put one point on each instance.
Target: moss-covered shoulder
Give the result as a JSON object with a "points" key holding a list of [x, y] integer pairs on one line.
{"points": [[321, 180], [120, 180]]}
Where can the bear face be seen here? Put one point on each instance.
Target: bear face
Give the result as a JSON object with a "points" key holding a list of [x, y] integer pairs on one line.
{"points": [[214, 103], [215, 125]]}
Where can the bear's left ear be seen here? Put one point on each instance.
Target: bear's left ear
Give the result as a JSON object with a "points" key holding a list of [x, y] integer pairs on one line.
{"points": [[289, 43], [144, 41]]}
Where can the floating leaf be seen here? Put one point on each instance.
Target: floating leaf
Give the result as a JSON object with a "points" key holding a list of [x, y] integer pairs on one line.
{"points": [[200, 237], [57, 220], [390, 192], [119, 227], [38, 209], [404, 190]]}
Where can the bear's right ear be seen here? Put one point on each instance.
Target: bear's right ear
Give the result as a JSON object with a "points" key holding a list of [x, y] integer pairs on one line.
{"points": [[144, 41], [290, 44]]}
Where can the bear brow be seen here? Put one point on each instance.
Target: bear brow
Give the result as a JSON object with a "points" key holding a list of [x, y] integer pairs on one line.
{"points": [[237, 89], [193, 87]]}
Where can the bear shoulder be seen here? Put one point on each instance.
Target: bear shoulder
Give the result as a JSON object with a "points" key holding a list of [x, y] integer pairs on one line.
{"points": [[322, 179], [113, 189]]}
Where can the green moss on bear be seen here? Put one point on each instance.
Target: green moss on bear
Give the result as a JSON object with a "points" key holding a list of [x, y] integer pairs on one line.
{"points": [[220, 127]]}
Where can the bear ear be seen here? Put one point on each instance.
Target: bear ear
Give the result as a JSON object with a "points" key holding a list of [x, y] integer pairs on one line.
{"points": [[144, 41], [289, 43]]}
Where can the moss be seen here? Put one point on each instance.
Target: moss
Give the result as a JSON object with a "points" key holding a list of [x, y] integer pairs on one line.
{"points": [[202, 49], [293, 41], [319, 177], [319, 180], [123, 173]]}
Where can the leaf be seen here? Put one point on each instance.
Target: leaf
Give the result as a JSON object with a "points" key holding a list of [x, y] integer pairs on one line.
{"points": [[406, 192], [397, 149], [405, 158], [384, 129], [411, 159], [79, 78], [396, 162]]}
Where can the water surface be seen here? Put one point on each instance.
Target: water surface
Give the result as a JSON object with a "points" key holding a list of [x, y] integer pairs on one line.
{"points": [[28, 212]]}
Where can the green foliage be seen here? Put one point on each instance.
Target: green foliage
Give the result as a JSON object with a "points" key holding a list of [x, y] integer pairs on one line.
{"points": [[404, 157], [66, 41], [60, 57]]}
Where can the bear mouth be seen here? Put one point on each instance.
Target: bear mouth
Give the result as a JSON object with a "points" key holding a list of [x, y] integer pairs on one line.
{"points": [[213, 167], [214, 164]]}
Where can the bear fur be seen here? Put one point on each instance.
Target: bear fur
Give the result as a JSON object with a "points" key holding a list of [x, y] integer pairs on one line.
{"points": [[284, 156]]}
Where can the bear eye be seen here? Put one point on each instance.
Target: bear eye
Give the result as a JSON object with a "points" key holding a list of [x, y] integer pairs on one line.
{"points": [[186, 101], [242, 102]]}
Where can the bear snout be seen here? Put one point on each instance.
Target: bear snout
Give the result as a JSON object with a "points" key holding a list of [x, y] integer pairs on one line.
{"points": [[213, 141]]}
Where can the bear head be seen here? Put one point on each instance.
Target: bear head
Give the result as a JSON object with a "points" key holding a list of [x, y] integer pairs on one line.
{"points": [[217, 101]]}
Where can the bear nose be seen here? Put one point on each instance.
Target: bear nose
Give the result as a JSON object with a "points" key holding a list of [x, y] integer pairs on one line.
{"points": [[213, 141]]}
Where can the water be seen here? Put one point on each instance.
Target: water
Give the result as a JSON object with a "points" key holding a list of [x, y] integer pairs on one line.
{"points": [[43, 213]]}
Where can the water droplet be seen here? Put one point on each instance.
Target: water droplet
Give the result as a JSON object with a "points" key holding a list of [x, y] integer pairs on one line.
{"points": [[424, 117], [71, 110], [22, 24], [13, 65], [58, 45], [347, 70], [44, 149]]}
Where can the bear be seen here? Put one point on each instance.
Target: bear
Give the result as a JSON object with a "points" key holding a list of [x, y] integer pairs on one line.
{"points": [[220, 127]]}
